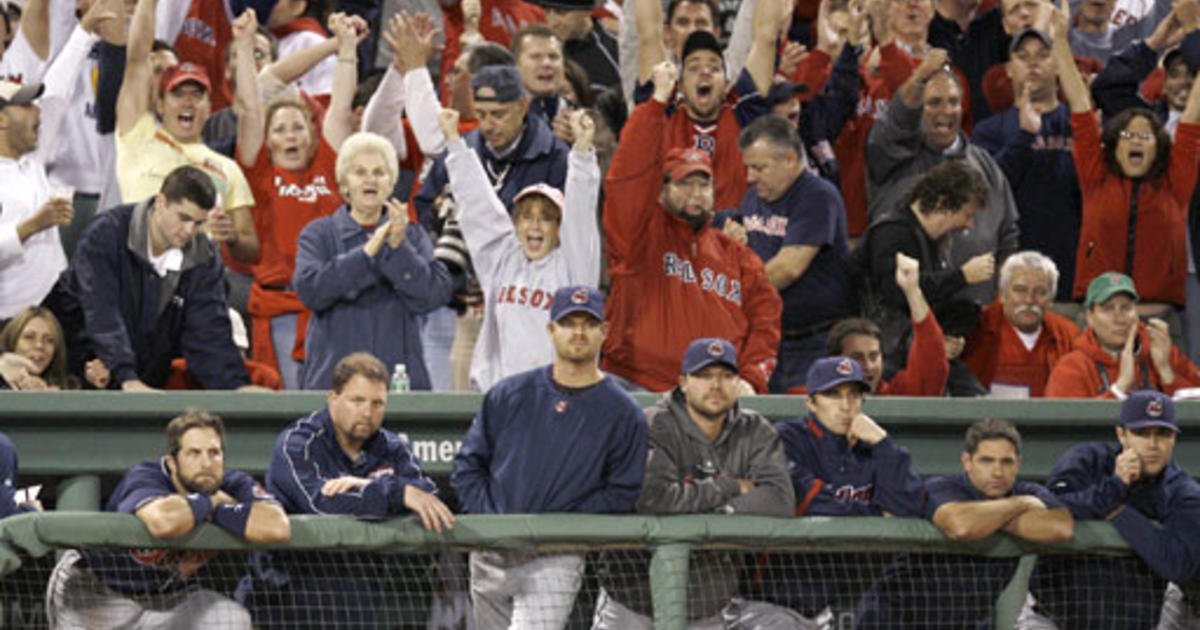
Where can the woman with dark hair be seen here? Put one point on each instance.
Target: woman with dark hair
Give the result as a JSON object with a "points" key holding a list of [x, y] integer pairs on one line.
{"points": [[1136, 185], [36, 335]]}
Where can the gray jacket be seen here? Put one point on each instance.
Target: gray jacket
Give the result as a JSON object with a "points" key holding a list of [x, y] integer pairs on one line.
{"points": [[897, 155], [688, 474]]}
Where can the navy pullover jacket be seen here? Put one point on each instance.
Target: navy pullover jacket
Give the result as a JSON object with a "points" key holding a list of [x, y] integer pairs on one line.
{"points": [[307, 454], [1083, 478], [536, 447], [831, 478]]}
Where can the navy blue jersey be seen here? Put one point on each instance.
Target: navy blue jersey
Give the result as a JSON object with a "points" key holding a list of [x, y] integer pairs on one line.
{"points": [[537, 447], [150, 571], [8, 479], [1083, 478], [1090, 592], [307, 454], [811, 213], [831, 478], [936, 590]]}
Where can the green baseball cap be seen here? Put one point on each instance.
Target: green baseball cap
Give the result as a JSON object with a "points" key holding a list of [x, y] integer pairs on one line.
{"points": [[1107, 285]]}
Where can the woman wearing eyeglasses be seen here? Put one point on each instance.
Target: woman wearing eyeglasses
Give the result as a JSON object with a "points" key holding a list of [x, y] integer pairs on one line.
{"points": [[1136, 185]]}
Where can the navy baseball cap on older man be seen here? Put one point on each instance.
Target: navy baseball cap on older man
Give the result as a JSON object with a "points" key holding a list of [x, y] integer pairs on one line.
{"points": [[826, 374], [1148, 408], [707, 351], [499, 84], [577, 299]]}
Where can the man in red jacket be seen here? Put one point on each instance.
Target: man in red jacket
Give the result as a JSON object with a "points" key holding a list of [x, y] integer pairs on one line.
{"points": [[1118, 353], [1018, 340], [674, 277]]}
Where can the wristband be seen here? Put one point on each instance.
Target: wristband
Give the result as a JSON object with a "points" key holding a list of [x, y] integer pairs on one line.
{"points": [[201, 507], [232, 518]]}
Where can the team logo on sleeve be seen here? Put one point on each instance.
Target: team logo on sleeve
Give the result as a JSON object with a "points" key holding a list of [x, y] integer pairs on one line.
{"points": [[1154, 408], [845, 367]]}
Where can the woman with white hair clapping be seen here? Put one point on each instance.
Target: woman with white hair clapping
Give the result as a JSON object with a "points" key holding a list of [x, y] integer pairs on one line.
{"points": [[366, 272]]}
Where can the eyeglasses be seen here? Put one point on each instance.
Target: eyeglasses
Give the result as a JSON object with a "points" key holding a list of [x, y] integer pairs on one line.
{"points": [[1144, 136]]}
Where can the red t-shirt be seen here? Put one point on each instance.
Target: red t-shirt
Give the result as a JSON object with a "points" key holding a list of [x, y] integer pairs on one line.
{"points": [[288, 201]]}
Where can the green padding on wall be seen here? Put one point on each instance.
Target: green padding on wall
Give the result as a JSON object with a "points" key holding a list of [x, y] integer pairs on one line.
{"points": [[38, 534], [462, 406]]}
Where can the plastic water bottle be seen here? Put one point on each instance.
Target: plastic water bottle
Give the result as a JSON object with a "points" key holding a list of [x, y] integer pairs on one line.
{"points": [[400, 378]]}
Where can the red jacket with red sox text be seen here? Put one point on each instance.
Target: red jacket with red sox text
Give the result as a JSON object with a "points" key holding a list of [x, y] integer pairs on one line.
{"points": [[671, 284]]}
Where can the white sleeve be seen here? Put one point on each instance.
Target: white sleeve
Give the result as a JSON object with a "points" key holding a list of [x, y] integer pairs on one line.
{"points": [[485, 223], [383, 111], [740, 39], [627, 51], [168, 19], [423, 107], [319, 78], [11, 250], [60, 85], [579, 230], [20, 63], [62, 24]]}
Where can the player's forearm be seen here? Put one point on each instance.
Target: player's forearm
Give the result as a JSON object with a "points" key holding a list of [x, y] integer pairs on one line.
{"points": [[972, 520], [267, 524], [168, 516], [673, 496], [1163, 548], [1043, 525]]}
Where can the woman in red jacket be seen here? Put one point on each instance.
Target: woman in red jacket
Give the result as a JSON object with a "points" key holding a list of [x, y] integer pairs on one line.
{"points": [[1136, 186]]}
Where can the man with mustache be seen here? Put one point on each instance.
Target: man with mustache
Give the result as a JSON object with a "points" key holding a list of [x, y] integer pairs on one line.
{"points": [[1117, 353], [1018, 341]]}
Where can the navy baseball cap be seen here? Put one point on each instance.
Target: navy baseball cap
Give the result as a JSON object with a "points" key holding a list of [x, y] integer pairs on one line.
{"points": [[577, 299], [701, 40], [1148, 408], [1030, 32], [783, 91], [825, 374], [504, 83], [707, 351]]}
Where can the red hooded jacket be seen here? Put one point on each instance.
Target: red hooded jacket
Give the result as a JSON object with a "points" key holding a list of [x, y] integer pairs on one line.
{"points": [[670, 283], [1079, 375]]}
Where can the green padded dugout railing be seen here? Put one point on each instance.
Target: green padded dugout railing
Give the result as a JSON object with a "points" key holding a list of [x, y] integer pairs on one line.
{"points": [[35, 535]]}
